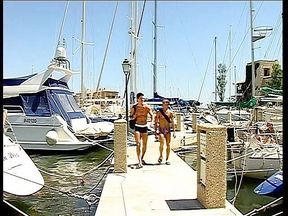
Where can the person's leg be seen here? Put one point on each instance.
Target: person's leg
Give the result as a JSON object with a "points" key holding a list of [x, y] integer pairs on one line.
{"points": [[161, 139], [168, 140], [138, 145], [144, 145]]}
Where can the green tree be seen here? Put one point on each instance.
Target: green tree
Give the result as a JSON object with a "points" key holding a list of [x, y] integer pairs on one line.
{"points": [[221, 81], [276, 81]]}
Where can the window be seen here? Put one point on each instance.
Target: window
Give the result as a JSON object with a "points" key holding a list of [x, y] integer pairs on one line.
{"points": [[266, 72], [73, 103], [65, 103]]}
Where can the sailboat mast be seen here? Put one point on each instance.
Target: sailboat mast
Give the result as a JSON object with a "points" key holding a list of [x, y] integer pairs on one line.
{"points": [[235, 81], [252, 51], [155, 51], [133, 54], [230, 73], [215, 70], [83, 95], [134, 89]]}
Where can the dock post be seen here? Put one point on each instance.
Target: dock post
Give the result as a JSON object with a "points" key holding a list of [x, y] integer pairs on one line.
{"points": [[194, 121], [179, 126], [211, 166], [230, 117], [258, 114], [120, 146]]}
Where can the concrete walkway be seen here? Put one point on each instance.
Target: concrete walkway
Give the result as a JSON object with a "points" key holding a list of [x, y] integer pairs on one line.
{"points": [[143, 191]]}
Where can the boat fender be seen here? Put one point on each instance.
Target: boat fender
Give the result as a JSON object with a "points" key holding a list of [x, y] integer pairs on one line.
{"points": [[52, 137]]}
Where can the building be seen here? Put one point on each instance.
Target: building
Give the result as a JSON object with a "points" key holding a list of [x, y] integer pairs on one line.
{"points": [[98, 97], [263, 71]]}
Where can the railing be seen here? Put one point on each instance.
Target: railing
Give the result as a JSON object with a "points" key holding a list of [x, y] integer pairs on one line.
{"points": [[13, 108]]}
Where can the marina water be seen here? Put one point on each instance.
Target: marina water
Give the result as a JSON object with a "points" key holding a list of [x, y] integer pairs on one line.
{"points": [[60, 171]]}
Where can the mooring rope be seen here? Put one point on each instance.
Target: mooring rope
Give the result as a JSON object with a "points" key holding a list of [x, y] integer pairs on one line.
{"points": [[254, 211], [89, 198], [75, 175]]}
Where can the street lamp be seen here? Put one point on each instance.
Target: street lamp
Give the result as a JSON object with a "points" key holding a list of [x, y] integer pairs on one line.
{"points": [[126, 69]]}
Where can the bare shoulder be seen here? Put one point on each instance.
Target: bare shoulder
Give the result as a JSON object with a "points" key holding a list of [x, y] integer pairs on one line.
{"points": [[147, 107], [171, 113]]}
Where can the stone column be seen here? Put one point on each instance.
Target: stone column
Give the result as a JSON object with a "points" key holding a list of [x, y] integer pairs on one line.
{"points": [[120, 146], [179, 126], [258, 114], [211, 166], [194, 121]]}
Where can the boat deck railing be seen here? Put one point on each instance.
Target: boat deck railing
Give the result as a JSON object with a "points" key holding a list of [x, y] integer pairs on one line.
{"points": [[13, 108]]}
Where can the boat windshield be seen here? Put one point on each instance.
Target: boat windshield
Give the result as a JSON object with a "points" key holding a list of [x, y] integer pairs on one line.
{"points": [[73, 103], [68, 102]]}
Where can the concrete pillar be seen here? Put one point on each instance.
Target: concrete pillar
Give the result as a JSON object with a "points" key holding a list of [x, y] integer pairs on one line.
{"points": [[120, 146], [179, 125], [258, 114], [194, 121], [230, 117], [211, 166]]}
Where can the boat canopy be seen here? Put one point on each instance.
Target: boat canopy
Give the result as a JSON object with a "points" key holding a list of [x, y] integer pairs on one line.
{"points": [[17, 80], [46, 103], [36, 82]]}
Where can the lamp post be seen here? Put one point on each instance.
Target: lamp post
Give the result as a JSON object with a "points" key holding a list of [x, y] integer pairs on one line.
{"points": [[126, 66]]}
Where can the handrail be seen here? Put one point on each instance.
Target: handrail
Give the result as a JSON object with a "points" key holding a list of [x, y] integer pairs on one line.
{"points": [[9, 110]]}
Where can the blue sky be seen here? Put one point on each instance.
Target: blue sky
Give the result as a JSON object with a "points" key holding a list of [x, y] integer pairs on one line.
{"points": [[185, 41]]}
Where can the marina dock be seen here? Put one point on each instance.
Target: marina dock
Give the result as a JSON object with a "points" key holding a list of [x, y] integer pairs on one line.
{"points": [[155, 189]]}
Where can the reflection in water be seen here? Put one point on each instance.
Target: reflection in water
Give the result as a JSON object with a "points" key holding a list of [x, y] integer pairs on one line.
{"points": [[246, 199], [62, 172]]}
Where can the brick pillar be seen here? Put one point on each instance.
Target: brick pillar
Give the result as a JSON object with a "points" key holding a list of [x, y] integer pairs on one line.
{"points": [[211, 166], [179, 126], [120, 146]]}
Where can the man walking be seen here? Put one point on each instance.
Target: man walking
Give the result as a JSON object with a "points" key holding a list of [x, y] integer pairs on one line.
{"points": [[164, 123], [140, 112]]}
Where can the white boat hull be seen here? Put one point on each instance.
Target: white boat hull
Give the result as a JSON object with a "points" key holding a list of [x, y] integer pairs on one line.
{"points": [[20, 175], [36, 134], [261, 163]]}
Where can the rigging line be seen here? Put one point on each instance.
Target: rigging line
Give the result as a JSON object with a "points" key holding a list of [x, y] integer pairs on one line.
{"points": [[62, 24], [226, 47], [138, 30], [240, 19], [188, 42], [243, 38], [274, 35], [278, 44], [142, 13], [106, 50], [206, 70]]}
